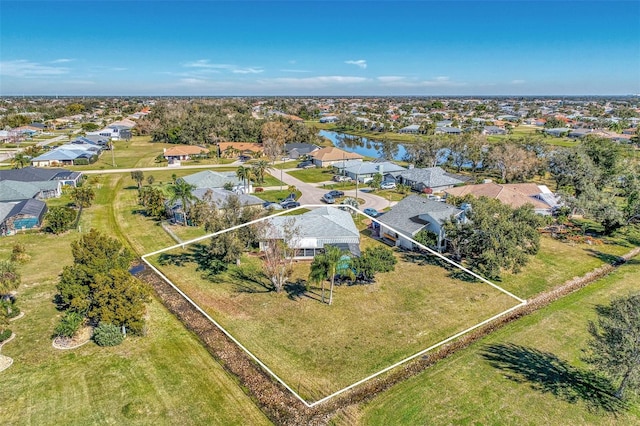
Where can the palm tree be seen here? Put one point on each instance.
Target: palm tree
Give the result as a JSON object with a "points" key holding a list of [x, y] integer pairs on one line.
{"points": [[183, 192], [260, 167], [19, 161], [325, 266], [243, 173]]}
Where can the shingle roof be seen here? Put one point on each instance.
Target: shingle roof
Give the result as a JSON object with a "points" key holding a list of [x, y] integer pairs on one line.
{"points": [[219, 196], [412, 213], [364, 168], [328, 225], [431, 177], [29, 174], [211, 179], [11, 190]]}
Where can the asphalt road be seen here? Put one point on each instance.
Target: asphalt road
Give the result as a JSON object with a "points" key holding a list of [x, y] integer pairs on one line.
{"points": [[312, 193]]}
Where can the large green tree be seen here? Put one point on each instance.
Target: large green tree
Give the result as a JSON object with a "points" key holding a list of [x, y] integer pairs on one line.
{"points": [[614, 348], [59, 218], [98, 284], [495, 237]]}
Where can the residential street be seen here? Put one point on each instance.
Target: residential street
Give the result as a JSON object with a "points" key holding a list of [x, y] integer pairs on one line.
{"points": [[312, 193]]}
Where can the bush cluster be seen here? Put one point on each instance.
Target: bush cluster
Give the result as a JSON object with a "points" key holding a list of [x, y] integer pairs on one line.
{"points": [[4, 335], [107, 335]]}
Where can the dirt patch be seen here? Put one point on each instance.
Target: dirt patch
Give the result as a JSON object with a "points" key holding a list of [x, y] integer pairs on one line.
{"points": [[82, 337]]}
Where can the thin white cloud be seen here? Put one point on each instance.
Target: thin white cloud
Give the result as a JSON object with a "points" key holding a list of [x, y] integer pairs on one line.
{"points": [[248, 70], [192, 81], [80, 82], [359, 63], [294, 70], [61, 61], [23, 68], [202, 66], [517, 81]]}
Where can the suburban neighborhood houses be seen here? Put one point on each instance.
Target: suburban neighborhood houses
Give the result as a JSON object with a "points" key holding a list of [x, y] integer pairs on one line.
{"points": [[351, 231]]}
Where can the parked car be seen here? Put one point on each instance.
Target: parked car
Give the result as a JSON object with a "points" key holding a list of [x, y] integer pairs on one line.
{"points": [[327, 198], [289, 204], [340, 178], [371, 212], [336, 194], [272, 206], [305, 164], [290, 197], [388, 185]]}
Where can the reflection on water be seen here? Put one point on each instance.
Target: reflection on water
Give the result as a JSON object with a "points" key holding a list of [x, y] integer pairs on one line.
{"points": [[387, 150]]}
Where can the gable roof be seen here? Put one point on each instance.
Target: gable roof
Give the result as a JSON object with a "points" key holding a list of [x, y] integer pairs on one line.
{"points": [[328, 225], [366, 168], [219, 196], [431, 177], [211, 179], [35, 174], [514, 195], [241, 146], [331, 153], [185, 150], [11, 190], [412, 213]]}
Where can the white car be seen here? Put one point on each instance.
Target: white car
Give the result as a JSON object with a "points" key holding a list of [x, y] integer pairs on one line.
{"points": [[388, 185]]}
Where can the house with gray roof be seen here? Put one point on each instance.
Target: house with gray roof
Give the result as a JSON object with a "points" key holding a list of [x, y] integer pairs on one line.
{"points": [[433, 178], [413, 214], [297, 150], [214, 196], [67, 155], [23, 215], [211, 179], [34, 174], [315, 230], [447, 130], [14, 191], [363, 170], [412, 129]]}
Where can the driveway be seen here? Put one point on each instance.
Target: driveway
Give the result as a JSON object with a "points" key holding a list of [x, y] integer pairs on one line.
{"points": [[313, 192]]}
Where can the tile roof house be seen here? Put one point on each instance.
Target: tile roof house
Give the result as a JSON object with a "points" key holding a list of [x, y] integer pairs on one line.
{"points": [[183, 152], [235, 149], [413, 214], [25, 214], [434, 178], [514, 195], [317, 228], [331, 155]]}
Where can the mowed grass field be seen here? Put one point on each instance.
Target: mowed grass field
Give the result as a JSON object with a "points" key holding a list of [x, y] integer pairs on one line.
{"points": [[166, 377], [318, 349], [528, 373]]}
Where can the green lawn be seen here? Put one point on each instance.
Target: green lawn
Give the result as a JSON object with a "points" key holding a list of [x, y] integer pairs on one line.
{"points": [[537, 381], [319, 349], [162, 378], [276, 196], [313, 175]]}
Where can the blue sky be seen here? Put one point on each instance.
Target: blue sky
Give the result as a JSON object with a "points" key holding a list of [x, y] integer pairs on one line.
{"points": [[319, 48]]}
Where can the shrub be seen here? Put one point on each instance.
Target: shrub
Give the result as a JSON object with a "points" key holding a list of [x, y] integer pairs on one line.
{"points": [[4, 335], [69, 324], [107, 335], [81, 162], [19, 254], [259, 189]]}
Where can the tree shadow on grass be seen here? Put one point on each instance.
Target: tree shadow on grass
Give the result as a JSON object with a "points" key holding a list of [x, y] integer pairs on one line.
{"points": [[611, 259], [429, 259], [298, 289], [195, 253], [248, 280], [547, 373]]}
